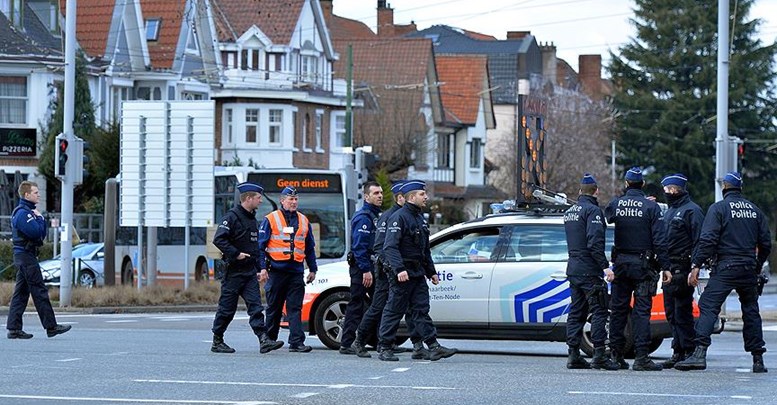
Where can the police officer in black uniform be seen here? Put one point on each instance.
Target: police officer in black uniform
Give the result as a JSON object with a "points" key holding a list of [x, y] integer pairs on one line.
{"points": [[683, 221], [585, 227], [736, 234], [236, 238], [407, 251], [639, 255], [29, 230], [371, 320], [360, 265]]}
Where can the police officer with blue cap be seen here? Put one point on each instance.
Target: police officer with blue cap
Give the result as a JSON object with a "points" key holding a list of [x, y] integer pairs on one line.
{"points": [[286, 244], [585, 227], [736, 234], [360, 264], [236, 237], [639, 255], [28, 228], [408, 253], [683, 220]]}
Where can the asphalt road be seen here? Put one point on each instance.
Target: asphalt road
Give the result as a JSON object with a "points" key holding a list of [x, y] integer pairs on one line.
{"points": [[165, 359]]}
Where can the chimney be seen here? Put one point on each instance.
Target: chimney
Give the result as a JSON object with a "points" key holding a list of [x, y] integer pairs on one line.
{"points": [[385, 19], [517, 34], [549, 62], [326, 7], [590, 75]]}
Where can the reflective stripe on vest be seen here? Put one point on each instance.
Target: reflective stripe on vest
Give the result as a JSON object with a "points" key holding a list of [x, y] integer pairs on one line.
{"points": [[279, 247]]}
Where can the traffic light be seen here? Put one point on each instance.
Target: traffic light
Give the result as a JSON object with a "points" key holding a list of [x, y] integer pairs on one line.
{"points": [[81, 160], [741, 154], [61, 156]]}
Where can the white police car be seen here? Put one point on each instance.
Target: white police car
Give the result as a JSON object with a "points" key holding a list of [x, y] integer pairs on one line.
{"points": [[502, 277]]}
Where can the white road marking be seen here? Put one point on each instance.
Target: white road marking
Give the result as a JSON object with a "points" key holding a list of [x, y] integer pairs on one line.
{"points": [[375, 378], [122, 321], [136, 400], [173, 319], [261, 384], [304, 394], [400, 369], [744, 370], [66, 360], [770, 328], [650, 394]]}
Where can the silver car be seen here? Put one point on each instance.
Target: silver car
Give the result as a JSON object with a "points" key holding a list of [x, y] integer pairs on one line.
{"points": [[88, 259]]}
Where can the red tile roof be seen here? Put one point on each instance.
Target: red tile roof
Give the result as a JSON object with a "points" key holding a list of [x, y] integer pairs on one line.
{"points": [[341, 29], [275, 18], [93, 23], [464, 81], [171, 16], [477, 35]]}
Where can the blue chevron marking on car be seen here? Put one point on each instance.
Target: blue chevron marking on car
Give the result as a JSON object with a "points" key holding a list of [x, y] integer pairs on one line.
{"points": [[548, 316], [546, 302], [519, 299]]}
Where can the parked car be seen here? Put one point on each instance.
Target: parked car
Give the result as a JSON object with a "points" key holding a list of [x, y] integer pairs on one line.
{"points": [[89, 260], [502, 277]]}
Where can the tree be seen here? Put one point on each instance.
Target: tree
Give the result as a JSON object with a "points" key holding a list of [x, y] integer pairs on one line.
{"points": [[665, 95]]}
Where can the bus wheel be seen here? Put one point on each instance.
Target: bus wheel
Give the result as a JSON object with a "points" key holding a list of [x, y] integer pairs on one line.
{"points": [[201, 271], [126, 273]]}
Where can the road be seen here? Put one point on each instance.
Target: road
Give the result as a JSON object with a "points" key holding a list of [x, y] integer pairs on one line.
{"points": [[165, 359]]}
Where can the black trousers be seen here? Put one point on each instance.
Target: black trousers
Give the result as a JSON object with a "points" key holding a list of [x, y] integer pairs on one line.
{"points": [[678, 306], [628, 277], [413, 296], [234, 285], [585, 299], [356, 306], [744, 280], [285, 288], [370, 323], [29, 281]]}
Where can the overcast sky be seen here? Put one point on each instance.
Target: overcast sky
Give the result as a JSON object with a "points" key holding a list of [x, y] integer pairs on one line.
{"points": [[575, 26]]}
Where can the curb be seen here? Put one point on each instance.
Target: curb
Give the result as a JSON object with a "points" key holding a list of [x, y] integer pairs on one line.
{"points": [[130, 310]]}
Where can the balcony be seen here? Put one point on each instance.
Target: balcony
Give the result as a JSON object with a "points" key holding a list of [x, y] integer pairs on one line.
{"points": [[443, 174], [281, 80]]}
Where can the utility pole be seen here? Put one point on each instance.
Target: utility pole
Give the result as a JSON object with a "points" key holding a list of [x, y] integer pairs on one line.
{"points": [[349, 99], [721, 141], [66, 247]]}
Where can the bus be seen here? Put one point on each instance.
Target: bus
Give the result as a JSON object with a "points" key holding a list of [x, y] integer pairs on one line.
{"points": [[323, 199]]}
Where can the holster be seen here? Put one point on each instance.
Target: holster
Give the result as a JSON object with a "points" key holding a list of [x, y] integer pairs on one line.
{"points": [[351, 259], [601, 295]]}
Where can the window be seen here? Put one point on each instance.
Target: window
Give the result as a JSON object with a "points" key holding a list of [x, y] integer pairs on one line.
{"points": [[190, 95], [13, 100], [319, 119], [276, 123], [470, 246], [309, 69], [252, 124], [443, 150], [475, 152], [191, 42], [120, 94], [152, 29], [229, 59], [228, 124], [305, 132], [339, 131], [537, 243]]}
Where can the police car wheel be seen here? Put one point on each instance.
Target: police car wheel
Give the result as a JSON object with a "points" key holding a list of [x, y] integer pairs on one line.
{"points": [[329, 317], [86, 279], [126, 273], [586, 345]]}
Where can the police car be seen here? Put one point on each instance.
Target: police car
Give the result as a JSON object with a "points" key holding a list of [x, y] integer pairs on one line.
{"points": [[502, 277]]}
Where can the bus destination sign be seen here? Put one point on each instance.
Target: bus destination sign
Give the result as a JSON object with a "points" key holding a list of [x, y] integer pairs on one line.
{"points": [[308, 182]]}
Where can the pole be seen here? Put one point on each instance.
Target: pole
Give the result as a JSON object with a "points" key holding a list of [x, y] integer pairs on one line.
{"points": [[140, 256], [348, 142], [612, 165], [722, 141], [66, 247], [519, 141]]}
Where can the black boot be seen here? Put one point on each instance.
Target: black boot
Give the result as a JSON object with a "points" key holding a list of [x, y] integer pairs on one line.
{"points": [[267, 345], [575, 361], [57, 330], [758, 364], [358, 347], [387, 355], [617, 356], [219, 346], [696, 361], [603, 362], [643, 363], [18, 334], [420, 352], [438, 351], [677, 355]]}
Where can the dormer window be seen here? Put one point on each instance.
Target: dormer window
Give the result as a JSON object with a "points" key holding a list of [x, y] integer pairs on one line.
{"points": [[152, 29]]}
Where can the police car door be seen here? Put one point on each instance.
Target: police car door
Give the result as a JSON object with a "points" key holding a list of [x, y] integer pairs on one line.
{"points": [[529, 288], [464, 261]]}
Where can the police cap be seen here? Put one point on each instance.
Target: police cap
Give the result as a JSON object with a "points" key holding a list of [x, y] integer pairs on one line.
{"points": [[588, 178], [733, 178], [412, 185], [289, 191], [634, 175], [677, 179], [249, 187]]}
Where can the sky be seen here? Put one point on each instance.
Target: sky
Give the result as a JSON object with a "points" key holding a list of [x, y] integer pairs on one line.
{"points": [[575, 26]]}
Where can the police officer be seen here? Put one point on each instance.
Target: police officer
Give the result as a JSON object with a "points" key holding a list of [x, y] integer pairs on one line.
{"points": [[639, 241], [360, 264], [236, 238], [285, 242], [735, 232], [371, 320], [407, 251], [29, 230], [683, 221], [585, 227]]}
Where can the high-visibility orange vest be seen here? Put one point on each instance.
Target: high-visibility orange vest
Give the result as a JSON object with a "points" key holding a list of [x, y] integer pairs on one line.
{"points": [[282, 247]]}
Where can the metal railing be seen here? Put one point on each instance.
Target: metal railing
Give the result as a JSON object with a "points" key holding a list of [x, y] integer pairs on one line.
{"points": [[90, 227]]}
